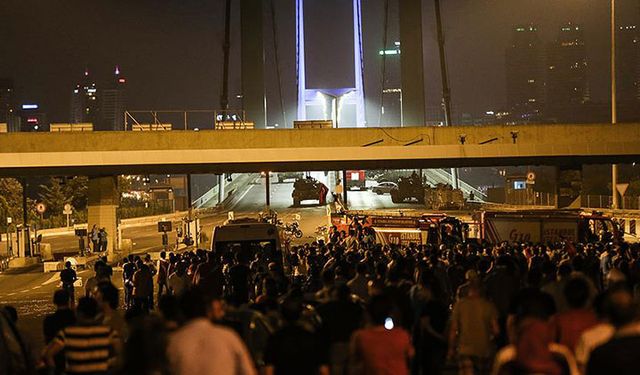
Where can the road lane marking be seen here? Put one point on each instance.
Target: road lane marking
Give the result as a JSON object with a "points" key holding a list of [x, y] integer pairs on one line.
{"points": [[241, 197], [55, 277]]}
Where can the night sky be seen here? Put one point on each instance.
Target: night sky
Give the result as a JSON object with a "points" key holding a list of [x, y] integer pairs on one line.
{"points": [[170, 51]]}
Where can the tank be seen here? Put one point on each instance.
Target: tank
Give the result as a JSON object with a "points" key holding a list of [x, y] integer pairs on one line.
{"points": [[409, 188], [281, 177], [306, 189], [443, 197]]}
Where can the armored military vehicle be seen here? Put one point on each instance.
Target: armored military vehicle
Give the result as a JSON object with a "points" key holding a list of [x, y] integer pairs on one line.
{"points": [[409, 188], [308, 189]]}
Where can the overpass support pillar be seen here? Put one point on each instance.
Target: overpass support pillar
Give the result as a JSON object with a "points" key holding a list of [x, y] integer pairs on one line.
{"points": [[221, 183], [568, 186], [103, 201], [345, 198], [267, 186]]}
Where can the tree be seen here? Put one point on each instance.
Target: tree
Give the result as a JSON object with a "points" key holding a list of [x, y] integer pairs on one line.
{"points": [[76, 190], [124, 185], [54, 197], [10, 200]]}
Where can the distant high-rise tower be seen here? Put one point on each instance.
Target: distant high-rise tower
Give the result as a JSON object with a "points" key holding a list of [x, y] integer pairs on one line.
{"points": [[628, 63], [567, 84], [114, 101], [84, 101], [524, 59], [6, 100], [31, 118], [391, 108]]}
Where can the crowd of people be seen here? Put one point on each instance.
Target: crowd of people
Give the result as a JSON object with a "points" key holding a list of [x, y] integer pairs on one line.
{"points": [[351, 306]]}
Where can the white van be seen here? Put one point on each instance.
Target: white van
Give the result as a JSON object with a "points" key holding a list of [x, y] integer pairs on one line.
{"points": [[248, 235]]}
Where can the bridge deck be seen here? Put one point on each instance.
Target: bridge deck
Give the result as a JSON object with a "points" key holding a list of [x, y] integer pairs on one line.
{"points": [[97, 153]]}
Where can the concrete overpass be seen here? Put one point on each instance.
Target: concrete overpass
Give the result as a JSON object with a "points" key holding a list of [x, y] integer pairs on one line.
{"points": [[102, 155], [217, 151]]}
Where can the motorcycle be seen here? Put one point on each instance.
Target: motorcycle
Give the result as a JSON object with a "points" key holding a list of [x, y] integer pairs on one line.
{"points": [[270, 217], [188, 240], [293, 229]]}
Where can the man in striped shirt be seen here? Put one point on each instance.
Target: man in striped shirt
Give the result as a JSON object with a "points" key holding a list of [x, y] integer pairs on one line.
{"points": [[89, 346]]}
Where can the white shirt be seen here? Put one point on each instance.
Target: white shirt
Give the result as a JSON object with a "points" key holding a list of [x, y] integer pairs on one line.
{"points": [[508, 354], [201, 347], [178, 284], [591, 339]]}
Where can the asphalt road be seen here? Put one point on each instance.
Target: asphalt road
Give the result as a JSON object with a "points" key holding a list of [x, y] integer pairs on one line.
{"points": [[249, 203], [31, 292]]}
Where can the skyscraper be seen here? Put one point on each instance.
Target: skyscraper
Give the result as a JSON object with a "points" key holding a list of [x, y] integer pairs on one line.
{"points": [[114, 101], [391, 108], [31, 118], [524, 60], [6, 100], [84, 102], [628, 64], [567, 84]]}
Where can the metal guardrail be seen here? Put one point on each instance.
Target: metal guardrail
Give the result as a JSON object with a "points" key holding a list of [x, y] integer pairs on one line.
{"points": [[606, 201], [442, 176], [527, 197]]}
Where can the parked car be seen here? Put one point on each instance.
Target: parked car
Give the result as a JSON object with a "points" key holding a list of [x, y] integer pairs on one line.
{"points": [[384, 187]]}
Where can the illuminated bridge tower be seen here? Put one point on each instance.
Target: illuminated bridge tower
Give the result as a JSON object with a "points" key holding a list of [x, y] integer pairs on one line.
{"points": [[338, 97]]}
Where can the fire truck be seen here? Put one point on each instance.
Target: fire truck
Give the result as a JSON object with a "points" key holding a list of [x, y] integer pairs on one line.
{"points": [[546, 226], [403, 228], [356, 179]]}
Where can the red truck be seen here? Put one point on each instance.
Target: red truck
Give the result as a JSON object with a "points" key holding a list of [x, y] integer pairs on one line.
{"points": [[546, 226], [356, 180], [392, 228]]}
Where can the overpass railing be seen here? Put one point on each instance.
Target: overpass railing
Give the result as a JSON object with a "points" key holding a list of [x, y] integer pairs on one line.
{"points": [[197, 119]]}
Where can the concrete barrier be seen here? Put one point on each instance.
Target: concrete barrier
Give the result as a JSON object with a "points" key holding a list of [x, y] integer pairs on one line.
{"points": [[46, 253], [127, 247], [23, 262], [81, 261], [53, 266]]}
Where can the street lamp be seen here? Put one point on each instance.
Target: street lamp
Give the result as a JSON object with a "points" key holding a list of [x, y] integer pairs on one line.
{"points": [[614, 119]]}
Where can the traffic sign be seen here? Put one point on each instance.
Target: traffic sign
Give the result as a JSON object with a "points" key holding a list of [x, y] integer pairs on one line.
{"points": [[68, 210], [531, 178], [622, 188], [9, 220], [41, 208]]}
